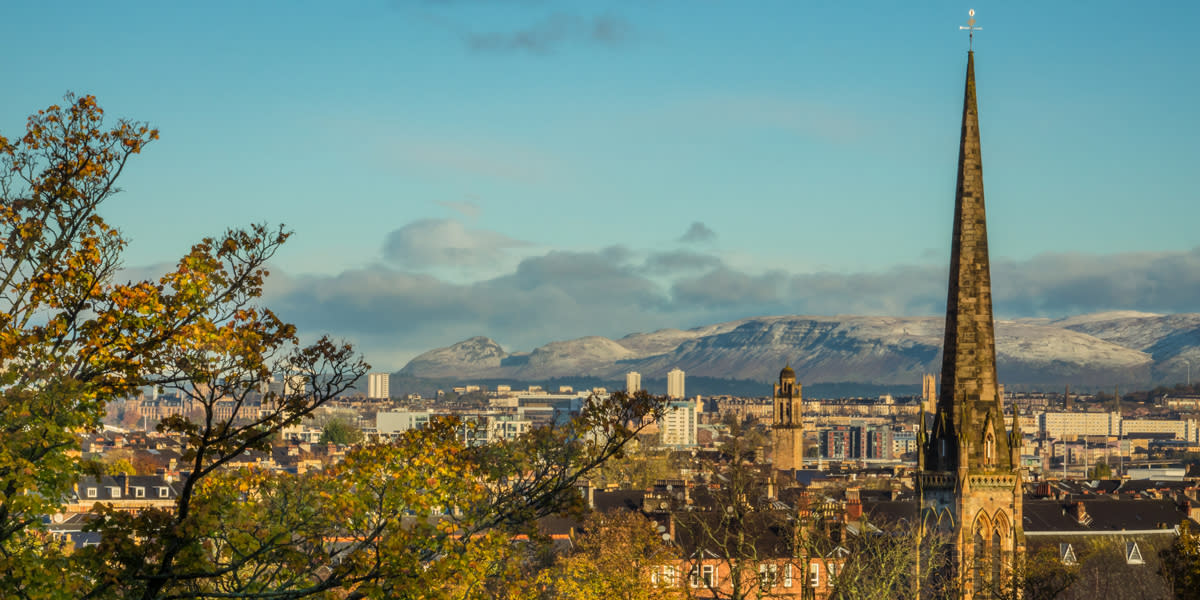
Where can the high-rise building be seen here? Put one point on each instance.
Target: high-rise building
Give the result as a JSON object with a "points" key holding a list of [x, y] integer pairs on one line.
{"points": [[969, 472], [678, 425], [378, 386], [633, 382], [675, 383], [787, 431]]}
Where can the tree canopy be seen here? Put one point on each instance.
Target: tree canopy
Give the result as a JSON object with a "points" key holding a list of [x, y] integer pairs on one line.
{"points": [[424, 516]]}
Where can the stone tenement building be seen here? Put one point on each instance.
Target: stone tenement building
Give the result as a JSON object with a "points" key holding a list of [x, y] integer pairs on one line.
{"points": [[969, 479], [787, 424]]}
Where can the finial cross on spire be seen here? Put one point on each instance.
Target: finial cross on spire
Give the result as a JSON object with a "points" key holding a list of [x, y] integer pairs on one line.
{"points": [[971, 29]]}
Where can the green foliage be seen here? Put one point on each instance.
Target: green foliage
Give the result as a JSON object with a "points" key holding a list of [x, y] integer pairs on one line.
{"points": [[423, 517], [1181, 564], [121, 466], [340, 431], [1101, 471]]}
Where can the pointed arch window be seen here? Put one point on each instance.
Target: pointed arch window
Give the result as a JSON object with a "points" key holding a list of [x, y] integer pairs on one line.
{"points": [[980, 559], [989, 449], [980, 556], [997, 556]]}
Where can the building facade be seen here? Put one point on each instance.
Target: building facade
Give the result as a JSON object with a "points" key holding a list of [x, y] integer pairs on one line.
{"points": [[678, 425], [675, 388], [633, 382], [378, 386]]}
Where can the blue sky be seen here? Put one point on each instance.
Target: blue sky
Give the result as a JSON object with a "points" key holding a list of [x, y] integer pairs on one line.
{"points": [[535, 170]]}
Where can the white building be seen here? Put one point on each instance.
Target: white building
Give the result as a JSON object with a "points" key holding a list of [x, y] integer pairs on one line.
{"points": [[1074, 424], [399, 421], [377, 386], [477, 428], [633, 382], [1182, 429], [675, 384], [678, 424]]}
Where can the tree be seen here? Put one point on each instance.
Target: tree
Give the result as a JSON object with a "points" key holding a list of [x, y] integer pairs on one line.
{"points": [[877, 560], [619, 556], [734, 530], [340, 431], [396, 519], [1101, 471], [1181, 564], [73, 339], [1040, 576]]}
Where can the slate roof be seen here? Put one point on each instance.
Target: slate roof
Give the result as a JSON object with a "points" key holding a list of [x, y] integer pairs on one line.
{"points": [[1106, 515], [123, 487], [1046, 516], [606, 500], [769, 531]]}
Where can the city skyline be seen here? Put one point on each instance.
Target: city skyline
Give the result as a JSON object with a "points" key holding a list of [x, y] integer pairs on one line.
{"points": [[534, 172]]}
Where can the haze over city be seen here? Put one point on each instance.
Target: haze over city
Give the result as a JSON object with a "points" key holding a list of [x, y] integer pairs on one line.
{"points": [[534, 171]]}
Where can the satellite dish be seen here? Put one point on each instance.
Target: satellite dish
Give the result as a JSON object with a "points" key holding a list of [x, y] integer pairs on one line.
{"points": [[666, 537], [660, 529]]}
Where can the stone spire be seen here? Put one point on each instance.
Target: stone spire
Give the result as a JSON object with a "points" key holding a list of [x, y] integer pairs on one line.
{"points": [[968, 430]]}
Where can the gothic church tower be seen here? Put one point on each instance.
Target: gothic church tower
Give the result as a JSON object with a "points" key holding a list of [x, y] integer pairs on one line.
{"points": [[787, 430], [969, 478]]}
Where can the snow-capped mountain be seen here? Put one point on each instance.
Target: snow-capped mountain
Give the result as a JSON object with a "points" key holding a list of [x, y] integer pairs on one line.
{"points": [[1096, 349]]}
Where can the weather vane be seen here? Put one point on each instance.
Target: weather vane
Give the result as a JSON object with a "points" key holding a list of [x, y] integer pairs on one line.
{"points": [[971, 29]]}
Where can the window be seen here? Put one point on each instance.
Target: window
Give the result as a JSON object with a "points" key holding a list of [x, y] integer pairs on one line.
{"points": [[981, 559], [663, 576], [91, 492], [669, 575], [787, 575], [814, 575], [114, 492], [704, 576], [768, 576], [163, 491], [989, 449], [1067, 554], [1133, 554], [139, 492]]}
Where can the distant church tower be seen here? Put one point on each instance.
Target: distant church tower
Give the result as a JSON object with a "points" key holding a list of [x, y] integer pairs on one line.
{"points": [[787, 426], [969, 477]]}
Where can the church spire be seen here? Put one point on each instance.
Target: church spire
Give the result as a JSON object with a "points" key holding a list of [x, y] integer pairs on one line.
{"points": [[970, 414]]}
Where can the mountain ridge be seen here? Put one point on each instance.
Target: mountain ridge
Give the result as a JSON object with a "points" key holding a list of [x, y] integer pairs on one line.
{"points": [[1097, 348]]}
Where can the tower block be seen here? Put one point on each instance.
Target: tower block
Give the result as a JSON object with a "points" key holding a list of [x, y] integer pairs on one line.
{"points": [[787, 424], [969, 478]]}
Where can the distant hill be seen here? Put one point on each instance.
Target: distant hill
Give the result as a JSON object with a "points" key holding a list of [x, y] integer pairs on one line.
{"points": [[1087, 351]]}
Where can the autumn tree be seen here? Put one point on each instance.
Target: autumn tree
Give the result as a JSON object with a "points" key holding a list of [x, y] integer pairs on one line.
{"points": [[402, 519], [73, 338], [618, 555]]}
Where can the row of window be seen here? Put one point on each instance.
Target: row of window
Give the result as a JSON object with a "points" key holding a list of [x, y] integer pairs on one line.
{"points": [[706, 576], [138, 491], [1133, 554]]}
